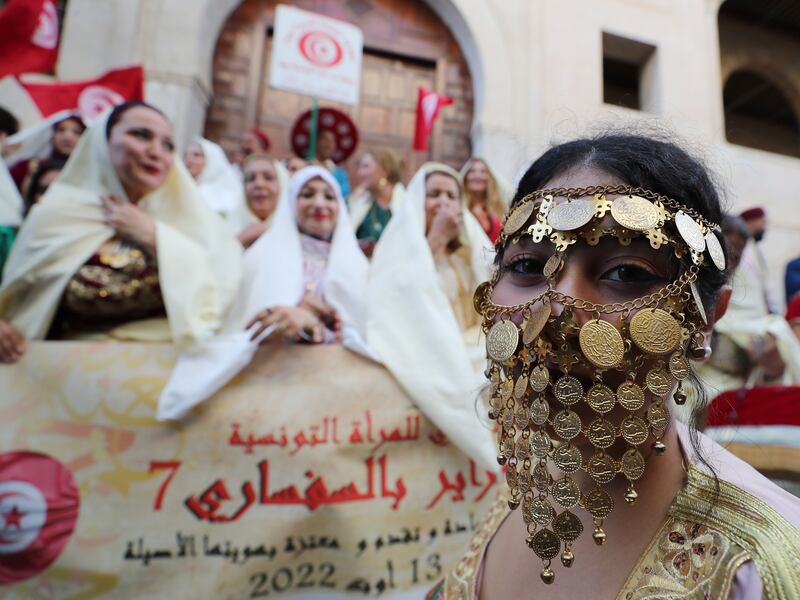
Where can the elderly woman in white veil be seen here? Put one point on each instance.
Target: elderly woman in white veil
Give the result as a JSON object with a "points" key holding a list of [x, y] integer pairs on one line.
{"points": [[305, 280], [120, 247], [219, 183]]}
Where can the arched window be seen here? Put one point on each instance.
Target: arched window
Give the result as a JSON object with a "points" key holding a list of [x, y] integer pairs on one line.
{"points": [[758, 115]]}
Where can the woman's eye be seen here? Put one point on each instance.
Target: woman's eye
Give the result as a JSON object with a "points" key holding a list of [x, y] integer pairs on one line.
{"points": [[524, 266], [169, 146], [631, 274], [142, 134]]}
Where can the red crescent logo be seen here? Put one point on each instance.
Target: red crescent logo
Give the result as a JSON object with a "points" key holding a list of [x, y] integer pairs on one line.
{"points": [[321, 49]]}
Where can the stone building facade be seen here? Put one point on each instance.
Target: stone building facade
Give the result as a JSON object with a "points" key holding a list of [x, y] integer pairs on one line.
{"points": [[723, 77]]}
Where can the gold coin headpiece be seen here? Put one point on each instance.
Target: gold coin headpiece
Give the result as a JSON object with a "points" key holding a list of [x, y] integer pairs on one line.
{"points": [[534, 398]]}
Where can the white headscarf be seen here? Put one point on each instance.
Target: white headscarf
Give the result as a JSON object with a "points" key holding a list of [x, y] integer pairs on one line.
{"points": [[413, 330], [242, 216], [273, 276], [35, 141], [11, 204], [220, 185], [198, 261]]}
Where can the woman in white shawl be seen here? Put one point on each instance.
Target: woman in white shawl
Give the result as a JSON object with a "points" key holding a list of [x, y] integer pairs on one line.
{"points": [[305, 280], [120, 240], [54, 138], [266, 182], [219, 183], [459, 248]]}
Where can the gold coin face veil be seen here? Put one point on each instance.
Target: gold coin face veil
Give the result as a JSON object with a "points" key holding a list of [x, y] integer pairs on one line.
{"points": [[550, 424]]}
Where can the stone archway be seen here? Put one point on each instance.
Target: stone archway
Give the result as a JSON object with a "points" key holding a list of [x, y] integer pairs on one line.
{"points": [[406, 46]]}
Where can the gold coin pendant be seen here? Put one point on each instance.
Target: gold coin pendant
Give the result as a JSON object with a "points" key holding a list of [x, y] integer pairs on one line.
{"points": [[537, 510], [518, 217], [635, 213], [630, 395], [541, 477], [632, 464], [541, 444], [601, 433], [545, 544], [658, 382], [507, 418], [539, 378], [567, 424], [552, 266], [570, 215], [567, 526], [601, 344], [634, 430], [679, 366], [566, 492], [657, 416], [533, 323], [655, 331], [698, 302], [568, 389], [567, 458], [480, 296], [520, 386], [521, 418], [522, 449], [690, 231], [502, 340], [600, 397], [539, 410], [599, 504], [715, 250], [601, 468]]}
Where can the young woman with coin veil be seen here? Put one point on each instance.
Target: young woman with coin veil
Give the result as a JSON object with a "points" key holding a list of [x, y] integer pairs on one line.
{"points": [[610, 275]]}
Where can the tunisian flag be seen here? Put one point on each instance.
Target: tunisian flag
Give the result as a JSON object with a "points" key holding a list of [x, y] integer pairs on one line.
{"points": [[28, 37], [428, 106], [90, 97]]}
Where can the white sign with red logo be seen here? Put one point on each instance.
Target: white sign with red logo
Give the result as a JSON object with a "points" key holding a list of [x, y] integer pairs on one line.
{"points": [[316, 55]]}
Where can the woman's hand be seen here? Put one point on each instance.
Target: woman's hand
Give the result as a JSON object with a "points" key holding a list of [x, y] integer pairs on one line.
{"points": [[131, 223], [292, 323], [251, 233], [12, 344], [324, 312], [765, 353], [444, 227]]}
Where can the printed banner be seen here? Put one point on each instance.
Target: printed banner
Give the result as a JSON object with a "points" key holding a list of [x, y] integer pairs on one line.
{"points": [[310, 475]]}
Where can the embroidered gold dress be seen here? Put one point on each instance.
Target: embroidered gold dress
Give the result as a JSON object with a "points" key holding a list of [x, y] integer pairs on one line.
{"points": [[727, 545], [118, 284]]}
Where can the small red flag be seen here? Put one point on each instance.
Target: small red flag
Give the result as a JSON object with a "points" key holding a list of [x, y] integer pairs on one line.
{"points": [[428, 106], [28, 37], [89, 97]]}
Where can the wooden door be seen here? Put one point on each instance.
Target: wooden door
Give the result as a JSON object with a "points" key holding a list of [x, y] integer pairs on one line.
{"points": [[406, 47]]}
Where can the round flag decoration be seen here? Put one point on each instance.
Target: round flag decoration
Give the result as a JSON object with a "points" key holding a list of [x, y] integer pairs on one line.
{"points": [[333, 120], [39, 504]]}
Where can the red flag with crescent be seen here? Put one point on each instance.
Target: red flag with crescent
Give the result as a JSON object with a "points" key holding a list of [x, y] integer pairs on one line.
{"points": [[28, 37], [428, 106], [90, 97]]}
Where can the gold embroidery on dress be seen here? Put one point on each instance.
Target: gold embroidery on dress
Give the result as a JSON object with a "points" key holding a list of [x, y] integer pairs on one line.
{"points": [[705, 538]]}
